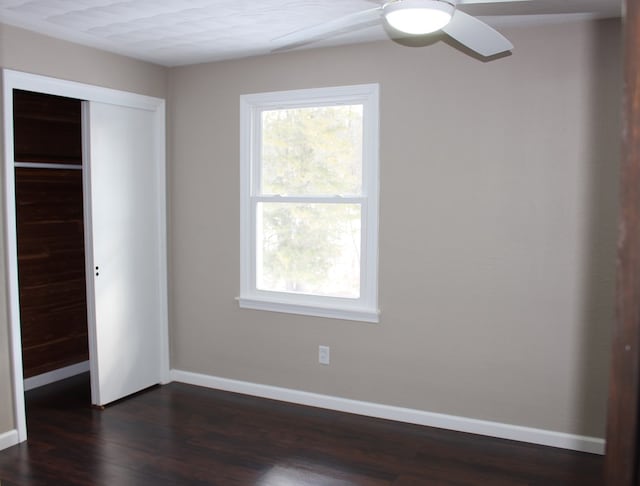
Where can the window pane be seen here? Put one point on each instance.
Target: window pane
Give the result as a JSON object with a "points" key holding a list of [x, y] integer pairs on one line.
{"points": [[315, 150], [309, 248]]}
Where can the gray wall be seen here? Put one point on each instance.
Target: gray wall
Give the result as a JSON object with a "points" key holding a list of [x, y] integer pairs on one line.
{"points": [[497, 229], [26, 51], [498, 223]]}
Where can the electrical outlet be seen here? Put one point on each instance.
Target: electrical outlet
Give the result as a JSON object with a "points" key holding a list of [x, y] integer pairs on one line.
{"points": [[324, 355]]}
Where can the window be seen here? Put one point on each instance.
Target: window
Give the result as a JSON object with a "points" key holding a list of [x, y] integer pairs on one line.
{"points": [[309, 202]]}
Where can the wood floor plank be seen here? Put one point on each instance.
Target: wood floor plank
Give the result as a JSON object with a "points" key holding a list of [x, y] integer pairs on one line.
{"points": [[185, 435]]}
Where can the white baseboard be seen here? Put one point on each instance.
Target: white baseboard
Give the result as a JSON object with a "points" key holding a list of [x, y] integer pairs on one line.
{"points": [[551, 438], [8, 439], [55, 375]]}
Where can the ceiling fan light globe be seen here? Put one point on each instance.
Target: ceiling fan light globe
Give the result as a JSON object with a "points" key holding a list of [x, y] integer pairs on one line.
{"points": [[418, 17]]}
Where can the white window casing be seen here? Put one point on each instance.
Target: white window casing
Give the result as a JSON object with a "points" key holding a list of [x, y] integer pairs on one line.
{"points": [[361, 308]]}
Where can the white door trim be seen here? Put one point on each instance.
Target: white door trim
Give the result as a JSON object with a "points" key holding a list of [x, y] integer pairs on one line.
{"points": [[43, 84]]}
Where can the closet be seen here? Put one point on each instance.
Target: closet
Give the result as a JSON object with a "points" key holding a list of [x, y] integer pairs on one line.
{"points": [[50, 231], [85, 195]]}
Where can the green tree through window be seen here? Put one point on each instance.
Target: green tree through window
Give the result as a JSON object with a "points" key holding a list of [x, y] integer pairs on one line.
{"points": [[311, 248]]}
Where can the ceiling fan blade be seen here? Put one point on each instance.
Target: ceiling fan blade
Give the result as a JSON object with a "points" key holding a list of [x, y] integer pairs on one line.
{"points": [[599, 8], [309, 34], [476, 35], [469, 2]]}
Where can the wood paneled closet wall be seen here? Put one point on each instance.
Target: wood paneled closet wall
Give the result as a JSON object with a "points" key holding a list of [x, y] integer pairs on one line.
{"points": [[50, 231]]}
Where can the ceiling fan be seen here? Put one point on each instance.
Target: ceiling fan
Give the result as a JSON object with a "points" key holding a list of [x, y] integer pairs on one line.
{"points": [[413, 17]]}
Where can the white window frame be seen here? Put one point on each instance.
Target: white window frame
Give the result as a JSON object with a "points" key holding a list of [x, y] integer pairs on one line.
{"points": [[364, 308]]}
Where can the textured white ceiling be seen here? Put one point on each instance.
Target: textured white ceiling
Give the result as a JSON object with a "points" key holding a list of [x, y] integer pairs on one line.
{"points": [[178, 32]]}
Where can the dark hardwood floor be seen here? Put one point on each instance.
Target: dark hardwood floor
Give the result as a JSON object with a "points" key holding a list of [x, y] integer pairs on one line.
{"points": [[185, 435]]}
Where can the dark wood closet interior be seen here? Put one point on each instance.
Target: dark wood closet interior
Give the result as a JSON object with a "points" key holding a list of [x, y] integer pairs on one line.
{"points": [[50, 231]]}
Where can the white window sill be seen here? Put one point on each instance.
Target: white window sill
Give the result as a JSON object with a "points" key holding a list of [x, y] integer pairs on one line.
{"points": [[350, 314]]}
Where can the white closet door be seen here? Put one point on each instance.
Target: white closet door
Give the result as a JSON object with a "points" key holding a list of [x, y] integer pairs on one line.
{"points": [[125, 249]]}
